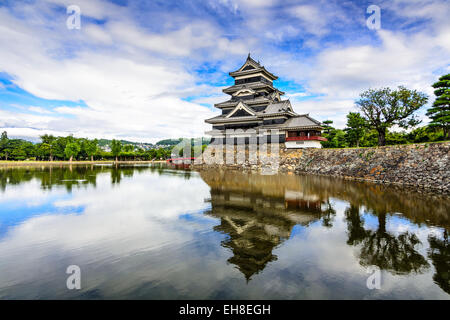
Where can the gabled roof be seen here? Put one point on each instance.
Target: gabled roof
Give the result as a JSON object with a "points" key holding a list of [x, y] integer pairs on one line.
{"points": [[251, 85], [301, 121], [249, 62], [282, 108], [244, 90], [277, 108], [222, 119], [256, 68], [241, 106], [232, 103]]}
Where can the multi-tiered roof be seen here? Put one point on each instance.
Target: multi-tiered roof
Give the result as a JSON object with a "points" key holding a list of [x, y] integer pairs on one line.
{"points": [[256, 103]]}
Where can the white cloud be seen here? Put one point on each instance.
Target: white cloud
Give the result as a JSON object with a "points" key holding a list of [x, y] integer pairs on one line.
{"points": [[39, 110], [126, 96], [107, 230], [135, 80], [311, 18], [339, 74]]}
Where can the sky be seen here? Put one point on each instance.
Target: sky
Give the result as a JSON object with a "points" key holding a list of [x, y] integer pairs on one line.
{"points": [[150, 70]]}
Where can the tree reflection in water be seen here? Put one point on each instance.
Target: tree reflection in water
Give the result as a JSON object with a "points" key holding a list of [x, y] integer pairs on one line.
{"points": [[439, 254], [259, 212], [393, 253], [76, 175]]}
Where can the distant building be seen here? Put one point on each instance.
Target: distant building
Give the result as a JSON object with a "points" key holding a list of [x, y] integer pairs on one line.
{"points": [[256, 104]]}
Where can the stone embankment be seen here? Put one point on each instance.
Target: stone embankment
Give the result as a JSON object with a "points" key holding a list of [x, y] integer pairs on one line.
{"points": [[418, 165]]}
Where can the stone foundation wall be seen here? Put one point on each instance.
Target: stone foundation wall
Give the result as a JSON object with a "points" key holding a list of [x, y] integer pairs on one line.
{"points": [[419, 165]]}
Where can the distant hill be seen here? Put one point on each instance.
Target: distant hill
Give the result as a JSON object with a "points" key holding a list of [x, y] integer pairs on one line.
{"points": [[145, 145], [105, 143], [169, 142], [174, 142]]}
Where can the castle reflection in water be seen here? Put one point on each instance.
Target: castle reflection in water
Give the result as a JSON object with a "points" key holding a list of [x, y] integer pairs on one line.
{"points": [[258, 213], [258, 223]]}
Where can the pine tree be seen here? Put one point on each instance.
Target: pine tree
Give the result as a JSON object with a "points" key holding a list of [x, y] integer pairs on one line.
{"points": [[440, 111], [356, 127], [327, 126]]}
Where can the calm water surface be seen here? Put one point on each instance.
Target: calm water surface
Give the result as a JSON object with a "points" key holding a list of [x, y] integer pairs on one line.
{"points": [[160, 233]]}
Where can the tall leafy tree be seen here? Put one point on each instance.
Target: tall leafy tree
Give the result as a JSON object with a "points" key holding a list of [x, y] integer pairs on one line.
{"points": [[72, 149], [4, 150], [356, 127], [91, 148], [385, 107], [51, 142], [18, 149], [339, 139], [43, 150], [128, 148], [116, 148], [440, 111]]}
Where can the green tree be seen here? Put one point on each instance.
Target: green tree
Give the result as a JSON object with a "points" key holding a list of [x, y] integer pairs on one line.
{"points": [[440, 111], [356, 127], [394, 138], [338, 141], [72, 149], [116, 148], [327, 126], [369, 139], [17, 149], [50, 141], [329, 133], [385, 107], [83, 145], [59, 146], [18, 154], [4, 150], [425, 133], [128, 148], [43, 150], [91, 148]]}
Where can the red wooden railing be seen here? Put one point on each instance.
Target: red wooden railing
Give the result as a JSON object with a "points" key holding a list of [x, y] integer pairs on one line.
{"points": [[305, 138], [179, 159]]}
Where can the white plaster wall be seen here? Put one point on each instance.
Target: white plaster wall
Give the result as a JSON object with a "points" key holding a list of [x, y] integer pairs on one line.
{"points": [[303, 144]]}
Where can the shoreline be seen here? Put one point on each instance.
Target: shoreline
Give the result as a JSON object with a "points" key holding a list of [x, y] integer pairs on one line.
{"points": [[6, 164], [416, 166], [405, 186]]}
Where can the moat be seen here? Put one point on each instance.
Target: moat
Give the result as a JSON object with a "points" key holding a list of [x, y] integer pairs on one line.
{"points": [[157, 232]]}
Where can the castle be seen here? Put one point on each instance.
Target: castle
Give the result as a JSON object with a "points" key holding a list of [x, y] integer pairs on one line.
{"points": [[256, 104]]}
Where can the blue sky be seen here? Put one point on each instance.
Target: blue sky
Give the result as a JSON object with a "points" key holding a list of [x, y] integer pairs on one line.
{"points": [[147, 70]]}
